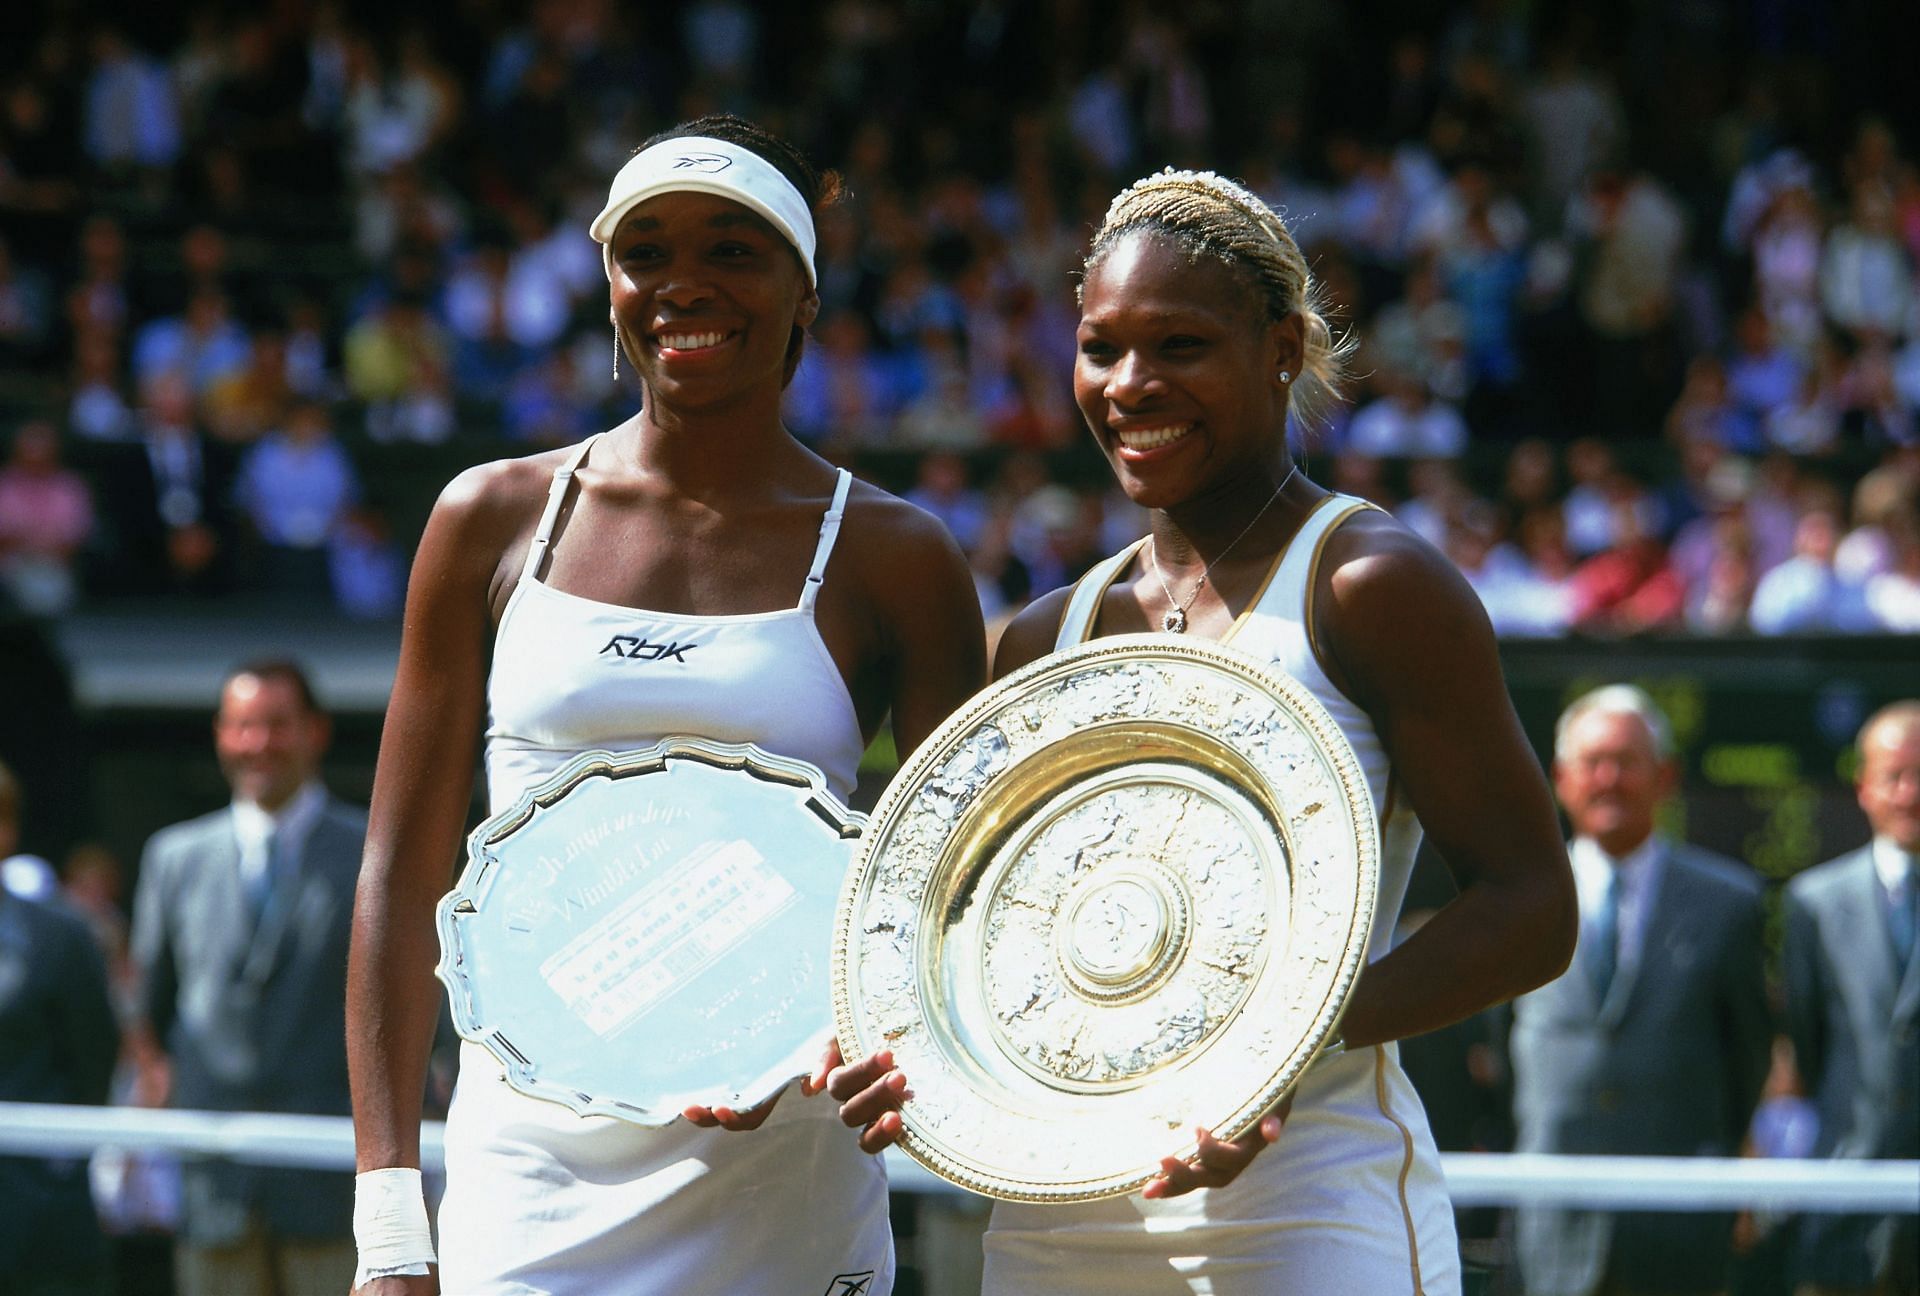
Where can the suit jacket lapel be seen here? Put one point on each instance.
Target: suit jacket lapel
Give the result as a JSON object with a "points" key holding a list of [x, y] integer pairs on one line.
{"points": [[1870, 942], [1654, 923]]}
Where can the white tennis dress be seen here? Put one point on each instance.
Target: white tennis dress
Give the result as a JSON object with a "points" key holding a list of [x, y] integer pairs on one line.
{"points": [[1351, 1199], [540, 1200]]}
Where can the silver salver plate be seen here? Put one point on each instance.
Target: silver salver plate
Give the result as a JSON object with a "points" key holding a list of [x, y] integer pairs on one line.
{"points": [[1122, 894], [648, 930]]}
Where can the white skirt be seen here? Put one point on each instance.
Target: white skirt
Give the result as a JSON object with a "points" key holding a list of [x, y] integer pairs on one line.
{"points": [[1351, 1199], [541, 1202]]}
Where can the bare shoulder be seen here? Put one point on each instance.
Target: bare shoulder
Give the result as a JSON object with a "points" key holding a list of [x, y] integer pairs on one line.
{"points": [[1376, 558], [1031, 634], [1388, 602], [897, 529], [500, 491]]}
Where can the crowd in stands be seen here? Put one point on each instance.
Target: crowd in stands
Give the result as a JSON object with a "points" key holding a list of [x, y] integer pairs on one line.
{"points": [[1636, 295]]}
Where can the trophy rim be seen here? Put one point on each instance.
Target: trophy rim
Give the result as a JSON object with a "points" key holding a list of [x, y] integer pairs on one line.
{"points": [[1344, 766], [518, 1070]]}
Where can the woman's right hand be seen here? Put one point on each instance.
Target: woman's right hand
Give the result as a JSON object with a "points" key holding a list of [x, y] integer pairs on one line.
{"points": [[870, 1093]]}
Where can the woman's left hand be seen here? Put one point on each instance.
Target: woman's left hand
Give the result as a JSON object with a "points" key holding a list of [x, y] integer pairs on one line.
{"points": [[1216, 1164], [729, 1119]]}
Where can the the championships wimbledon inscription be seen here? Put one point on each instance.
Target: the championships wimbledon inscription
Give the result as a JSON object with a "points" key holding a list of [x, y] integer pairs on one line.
{"points": [[666, 933]]}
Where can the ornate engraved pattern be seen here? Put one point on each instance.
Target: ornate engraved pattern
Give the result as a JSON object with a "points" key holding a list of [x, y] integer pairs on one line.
{"points": [[1121, 893]]}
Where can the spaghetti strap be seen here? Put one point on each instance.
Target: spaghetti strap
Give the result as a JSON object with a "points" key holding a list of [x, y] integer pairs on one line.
{"points": [[543, 534], [1083, 605], [829, 532]]}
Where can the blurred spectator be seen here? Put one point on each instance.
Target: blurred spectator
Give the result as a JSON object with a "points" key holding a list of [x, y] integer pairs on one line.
{"points": [[132, 111], [97, 303], [296, 486], [1423, 335], [1879, 495], [58, 1040], [941, 488], [204, 344], [1866, 278], [46, 515], [844, 392], [1808, 421], [165, 499], [1631, 587], [1853, 1006], [240, 937], [1804, 594], [1670, 951], [369, 575], [1893, 595], [26, 313], [1519, 600], [397, 362], [543, 405], [98, 410], [1762, 377], [1628, 235], [1406, 422], [1573, 120]]}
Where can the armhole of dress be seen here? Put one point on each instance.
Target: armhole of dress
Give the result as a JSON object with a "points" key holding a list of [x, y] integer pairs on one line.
{"points": [[556, 495], [1338, 520], [829, 532], [1082, 612]]}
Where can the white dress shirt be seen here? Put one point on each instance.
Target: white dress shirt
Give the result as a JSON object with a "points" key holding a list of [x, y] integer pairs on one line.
{"points": [[254, 826], [1593, 868]]}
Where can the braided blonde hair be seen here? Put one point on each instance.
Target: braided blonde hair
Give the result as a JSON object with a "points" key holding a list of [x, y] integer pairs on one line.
{"points": [[1211, 216]]}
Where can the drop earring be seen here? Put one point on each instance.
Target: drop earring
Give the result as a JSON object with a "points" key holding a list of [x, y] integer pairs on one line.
{"points": [[616, 352]]}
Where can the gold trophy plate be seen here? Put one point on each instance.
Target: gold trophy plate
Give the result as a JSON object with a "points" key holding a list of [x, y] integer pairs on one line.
{"points": [[1121, 894]]}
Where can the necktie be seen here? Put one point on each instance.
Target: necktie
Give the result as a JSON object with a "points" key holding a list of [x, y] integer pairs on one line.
{"points": [[261, 885], [1903, 917], [1605, 932]]}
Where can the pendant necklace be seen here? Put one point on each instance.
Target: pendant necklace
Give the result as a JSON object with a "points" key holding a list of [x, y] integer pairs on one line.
{"points": [[1175, 621]]}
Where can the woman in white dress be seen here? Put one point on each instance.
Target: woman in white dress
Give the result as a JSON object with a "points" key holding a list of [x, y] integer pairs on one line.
{"points": [[1200, 329], [695, 570]]}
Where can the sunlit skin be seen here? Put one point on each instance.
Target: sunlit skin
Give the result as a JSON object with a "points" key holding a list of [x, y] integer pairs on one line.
{"points": [[700, 503], [1611, 780], [688, 264], [1889, 781], [268, 743], [1168, 342]]}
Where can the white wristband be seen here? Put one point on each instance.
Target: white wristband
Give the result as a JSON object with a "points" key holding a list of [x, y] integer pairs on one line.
{"points": [[390, 1224]]}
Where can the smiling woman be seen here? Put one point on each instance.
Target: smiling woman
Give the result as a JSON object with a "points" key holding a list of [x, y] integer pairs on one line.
{"points": [[803, 609], [1199, 332]]}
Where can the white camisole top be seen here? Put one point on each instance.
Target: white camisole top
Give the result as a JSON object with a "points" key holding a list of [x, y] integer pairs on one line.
{"points": [[1351, 1197], [540, 1200]]}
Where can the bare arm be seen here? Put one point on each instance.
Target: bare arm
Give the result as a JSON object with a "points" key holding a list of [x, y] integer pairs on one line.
{"points": [[1409, 641], [422, 787], [1031, 634], [937, 639]]}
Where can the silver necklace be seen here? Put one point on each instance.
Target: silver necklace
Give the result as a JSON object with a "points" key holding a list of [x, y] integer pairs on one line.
{"points": [[1175, 621]]}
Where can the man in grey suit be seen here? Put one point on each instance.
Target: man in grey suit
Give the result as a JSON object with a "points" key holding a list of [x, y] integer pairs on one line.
{"points": [[1655, 1041], [240, 926], [1853, 1010]]}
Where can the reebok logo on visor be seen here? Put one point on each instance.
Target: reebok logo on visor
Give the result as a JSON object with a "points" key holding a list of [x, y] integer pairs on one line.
{"points": [[708, 162]]}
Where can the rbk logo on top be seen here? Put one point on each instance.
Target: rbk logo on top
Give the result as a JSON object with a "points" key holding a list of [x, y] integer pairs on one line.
{"points": [[708, 162], [636, 648]]}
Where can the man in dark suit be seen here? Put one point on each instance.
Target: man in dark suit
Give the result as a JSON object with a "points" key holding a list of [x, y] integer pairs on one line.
{"points": [[1656, 1039], [58, 1040], [1853, 1010], [240, 935]]}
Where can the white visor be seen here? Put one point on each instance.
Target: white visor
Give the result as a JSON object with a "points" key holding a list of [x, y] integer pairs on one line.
{"points": [[698, 164]]}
